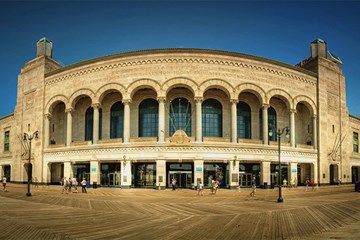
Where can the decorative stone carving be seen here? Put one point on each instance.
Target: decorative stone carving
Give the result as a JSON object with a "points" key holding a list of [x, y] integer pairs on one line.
{"points": [[179, 137]]}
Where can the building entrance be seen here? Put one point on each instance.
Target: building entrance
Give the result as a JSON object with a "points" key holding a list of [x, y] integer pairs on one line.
{"points": [[183, 178], [110, 174], [182, 172], [245, 179]]}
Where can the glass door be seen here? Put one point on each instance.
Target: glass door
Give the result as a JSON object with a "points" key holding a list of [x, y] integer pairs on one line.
{"points": [[245, 179]]}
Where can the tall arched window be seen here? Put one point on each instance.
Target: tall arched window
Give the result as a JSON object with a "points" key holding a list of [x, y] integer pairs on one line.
{"points": [[211, 118], [180, 116], [243, 120], [148, 118], [271, 123], [89, 121], [117, 120]]}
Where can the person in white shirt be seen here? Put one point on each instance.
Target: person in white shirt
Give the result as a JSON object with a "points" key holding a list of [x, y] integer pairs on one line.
{"points": [[83, 185], [4, 183]]}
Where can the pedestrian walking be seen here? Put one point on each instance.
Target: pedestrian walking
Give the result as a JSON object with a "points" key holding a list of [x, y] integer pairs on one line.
{"points": [[253, 185], [173, 184], [312, 184], [74, 183], [307, 184], [4, 180], [200, 189], [83, 185], [65, 184], [215, 186]]}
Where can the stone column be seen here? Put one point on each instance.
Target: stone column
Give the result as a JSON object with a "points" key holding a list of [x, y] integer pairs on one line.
{"points": [[161, 133], [2, 172], [160, 174], [266, 124], [265, 173], [234, 121], [198, 171], [292, 128], [96, 107], [68, 126], [94, 171], [126, 120], [198, 137], [315, 132], [68, 171], [47, 130], [234, 173], [293, 172], [125, 172]]}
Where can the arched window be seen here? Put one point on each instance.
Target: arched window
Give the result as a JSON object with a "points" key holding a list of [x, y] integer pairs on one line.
{"points": [[243, 120], [89, 124], [180, 116], [271, 123], [211, 118], [117, 120], [148, 118], [89, 121]]}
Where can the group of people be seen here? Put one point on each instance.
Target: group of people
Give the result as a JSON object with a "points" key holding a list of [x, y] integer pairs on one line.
{"points": [[69, 184], [307, 183]]}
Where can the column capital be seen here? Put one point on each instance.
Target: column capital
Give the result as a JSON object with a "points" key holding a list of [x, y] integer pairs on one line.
{"points": [[96, 105], [47, 116], [266, 105], [198, 99], [161, 99], [292, 110], [314, 116], [69, 110], [126, 101], [234, 101]]}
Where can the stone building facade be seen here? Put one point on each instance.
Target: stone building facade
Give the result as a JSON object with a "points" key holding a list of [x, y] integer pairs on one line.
{"points": [[140, 119]]}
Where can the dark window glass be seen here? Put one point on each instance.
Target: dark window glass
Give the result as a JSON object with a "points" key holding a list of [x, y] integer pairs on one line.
{"points": [[89, 119], [7, 141], [356, 142], [243, 120], [271, 122], [117, 120], [180, 116], [148, 118], [211, 118]]}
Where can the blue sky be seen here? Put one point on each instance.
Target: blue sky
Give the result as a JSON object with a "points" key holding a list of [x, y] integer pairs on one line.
{"points": [[82, 30]]}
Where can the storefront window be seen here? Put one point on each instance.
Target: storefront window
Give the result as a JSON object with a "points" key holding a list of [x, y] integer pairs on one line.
{"points": [[144, 174]]}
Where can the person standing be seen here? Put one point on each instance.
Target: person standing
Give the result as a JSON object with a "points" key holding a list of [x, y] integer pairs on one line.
{"points": [[4, 180], [253, 185], [83, 185]]}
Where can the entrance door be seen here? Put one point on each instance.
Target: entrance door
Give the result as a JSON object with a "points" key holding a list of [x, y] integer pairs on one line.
{"points": [[274, 179], [245, 179], [183, 178], [114, 179]]}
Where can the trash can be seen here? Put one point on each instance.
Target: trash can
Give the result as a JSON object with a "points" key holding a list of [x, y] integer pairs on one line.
{"points": [[265, 185], [357, 186], [94, 184]]}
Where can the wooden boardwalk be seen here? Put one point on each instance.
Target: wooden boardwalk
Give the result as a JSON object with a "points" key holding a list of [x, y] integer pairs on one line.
{"points": [[108, 213]]}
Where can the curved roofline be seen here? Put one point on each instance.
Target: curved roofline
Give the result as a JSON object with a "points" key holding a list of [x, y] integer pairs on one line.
{"points": [[179, 50]]}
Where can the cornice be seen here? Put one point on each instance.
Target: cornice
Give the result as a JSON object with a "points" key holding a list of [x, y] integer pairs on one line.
{"points": [[64, 73], [187, 149]]}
